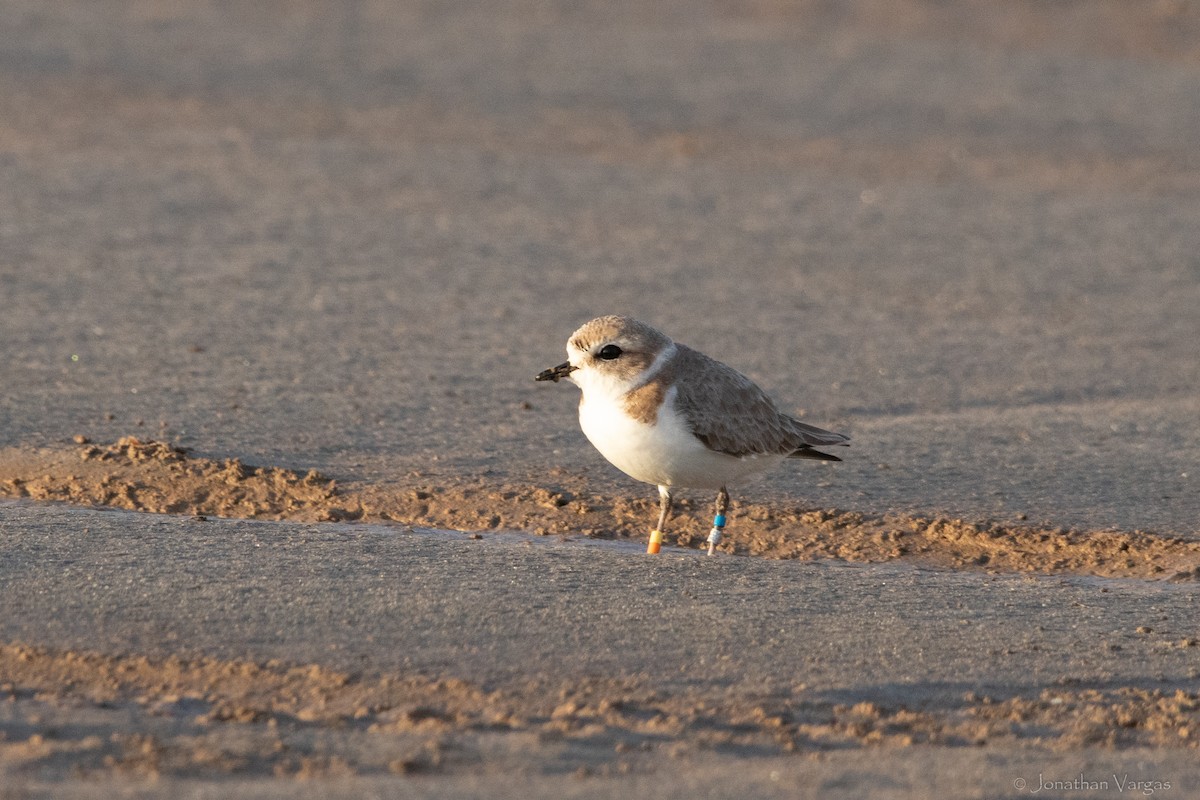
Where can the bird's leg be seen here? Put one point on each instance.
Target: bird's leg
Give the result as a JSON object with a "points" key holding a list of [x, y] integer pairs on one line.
{"points": [[664, 506], [714, 536]]}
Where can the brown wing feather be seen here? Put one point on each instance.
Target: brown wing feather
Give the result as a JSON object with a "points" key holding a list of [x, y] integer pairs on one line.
{"points": [[730, 414]]}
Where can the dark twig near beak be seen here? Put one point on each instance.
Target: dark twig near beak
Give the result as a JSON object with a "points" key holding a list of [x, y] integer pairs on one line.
{"points": [[555, 373]]}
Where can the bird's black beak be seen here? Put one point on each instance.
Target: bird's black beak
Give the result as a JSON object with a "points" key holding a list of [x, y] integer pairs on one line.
{"points": [[555, 373]]}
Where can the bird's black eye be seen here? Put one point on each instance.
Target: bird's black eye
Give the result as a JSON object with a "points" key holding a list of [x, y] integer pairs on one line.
{"points": [[609, 352]]}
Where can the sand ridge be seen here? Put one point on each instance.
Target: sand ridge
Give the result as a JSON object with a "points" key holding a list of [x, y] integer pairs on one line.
{"points": [[157, 477], [203, 717]]}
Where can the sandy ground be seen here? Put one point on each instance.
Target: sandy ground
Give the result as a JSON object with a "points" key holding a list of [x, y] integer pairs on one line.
{"points": [[295, 264], [161, 478], [347, 655]]}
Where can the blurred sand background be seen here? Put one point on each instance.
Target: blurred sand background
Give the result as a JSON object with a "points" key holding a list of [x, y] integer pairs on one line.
{"points": [[342, 237]]}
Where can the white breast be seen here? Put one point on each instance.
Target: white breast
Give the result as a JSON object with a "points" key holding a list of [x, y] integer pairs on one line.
{"points": [[664, 453]]}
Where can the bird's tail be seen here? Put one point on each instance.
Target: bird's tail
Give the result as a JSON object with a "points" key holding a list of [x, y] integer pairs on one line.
{"points": [[810, 436]]}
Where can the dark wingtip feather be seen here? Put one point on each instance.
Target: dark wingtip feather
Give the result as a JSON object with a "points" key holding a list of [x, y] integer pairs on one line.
{"points": [[808, 452]]}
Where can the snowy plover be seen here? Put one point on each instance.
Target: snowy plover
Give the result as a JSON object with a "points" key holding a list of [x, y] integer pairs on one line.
{"points": [[666, 414]]}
